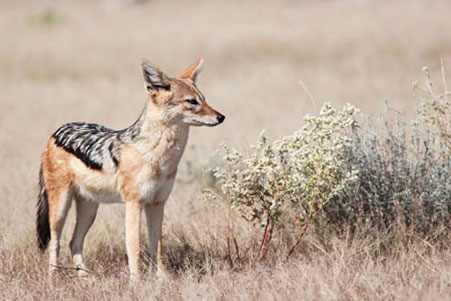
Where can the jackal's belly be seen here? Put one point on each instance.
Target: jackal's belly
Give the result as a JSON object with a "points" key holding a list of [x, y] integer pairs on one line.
{"points": [[99, 188], [104, 187]]}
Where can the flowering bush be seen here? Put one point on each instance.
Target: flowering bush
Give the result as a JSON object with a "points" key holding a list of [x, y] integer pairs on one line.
{"points": [[296, 175], [335, 174]]}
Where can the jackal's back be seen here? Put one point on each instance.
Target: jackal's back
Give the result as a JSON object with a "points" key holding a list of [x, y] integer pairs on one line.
{"points": [[89, 142]]}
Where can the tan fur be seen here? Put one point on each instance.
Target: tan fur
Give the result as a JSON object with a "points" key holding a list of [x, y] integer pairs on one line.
{"points": [[132, 164], [57, 176], [206, 110]]}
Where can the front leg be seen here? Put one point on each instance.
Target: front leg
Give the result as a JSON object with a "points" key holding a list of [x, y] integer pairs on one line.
{"points": [[154, 215], [132, 231]]}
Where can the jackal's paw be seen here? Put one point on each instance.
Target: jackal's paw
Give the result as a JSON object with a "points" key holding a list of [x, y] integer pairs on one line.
{"points": [[162, 271]]}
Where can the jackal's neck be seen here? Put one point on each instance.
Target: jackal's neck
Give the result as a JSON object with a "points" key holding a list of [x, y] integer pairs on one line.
{"points": [[153, 124]]}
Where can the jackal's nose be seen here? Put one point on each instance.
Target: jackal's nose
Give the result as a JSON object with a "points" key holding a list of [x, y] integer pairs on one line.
{"points": [[220, 118]]}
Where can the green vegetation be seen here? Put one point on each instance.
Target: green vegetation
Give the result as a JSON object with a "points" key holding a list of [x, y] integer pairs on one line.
{"points": [[46, 18]]}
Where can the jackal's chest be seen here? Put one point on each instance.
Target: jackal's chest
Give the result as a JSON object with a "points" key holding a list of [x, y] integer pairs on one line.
{"points": [[145, 172], [149, 175], [160, 158]]}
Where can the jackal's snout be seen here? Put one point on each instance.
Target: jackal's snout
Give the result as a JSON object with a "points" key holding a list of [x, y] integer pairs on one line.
{"points": [[209, 116], [220, 118]]}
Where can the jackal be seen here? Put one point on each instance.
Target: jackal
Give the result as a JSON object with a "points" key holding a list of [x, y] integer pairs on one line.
{"points": [[91, 164]]}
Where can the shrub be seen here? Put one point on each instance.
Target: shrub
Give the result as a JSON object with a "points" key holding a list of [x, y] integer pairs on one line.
{"points": [[295, 176], [335, 175], [404, 171], [403, 181]]}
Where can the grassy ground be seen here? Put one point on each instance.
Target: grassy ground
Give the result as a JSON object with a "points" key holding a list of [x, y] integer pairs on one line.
{"points": [[266, 66]]}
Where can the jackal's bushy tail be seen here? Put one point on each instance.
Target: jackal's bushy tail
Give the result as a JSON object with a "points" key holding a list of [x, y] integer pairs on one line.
{"points": [[42, 215]]}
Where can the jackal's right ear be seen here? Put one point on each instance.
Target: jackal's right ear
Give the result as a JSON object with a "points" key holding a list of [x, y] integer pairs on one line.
{"points": [[154, 78], [192, 71]]}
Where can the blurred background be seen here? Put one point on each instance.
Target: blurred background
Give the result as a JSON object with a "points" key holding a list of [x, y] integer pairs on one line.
{"points": [[267, 64]]}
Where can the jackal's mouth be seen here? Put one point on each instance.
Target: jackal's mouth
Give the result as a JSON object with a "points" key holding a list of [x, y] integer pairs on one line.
{"points": [[202, 123], [212, 121], [212, 124]]}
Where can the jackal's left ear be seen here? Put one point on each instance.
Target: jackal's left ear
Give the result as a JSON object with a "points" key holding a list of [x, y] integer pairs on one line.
{"points": [[154, 78], [192, 71]]}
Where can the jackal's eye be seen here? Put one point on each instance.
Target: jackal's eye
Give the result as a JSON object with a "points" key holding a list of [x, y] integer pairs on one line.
{"points": [[192, 101]]}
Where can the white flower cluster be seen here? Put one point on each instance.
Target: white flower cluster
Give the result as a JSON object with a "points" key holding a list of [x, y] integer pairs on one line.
{"points": [[295, 175]]}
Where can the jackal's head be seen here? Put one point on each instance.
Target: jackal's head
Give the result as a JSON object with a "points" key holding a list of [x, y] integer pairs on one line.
{"points": [[179, 99]]}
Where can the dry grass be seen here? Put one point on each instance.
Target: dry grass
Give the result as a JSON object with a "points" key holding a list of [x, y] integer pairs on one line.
{"points": [[345, 272], [62, 62]]}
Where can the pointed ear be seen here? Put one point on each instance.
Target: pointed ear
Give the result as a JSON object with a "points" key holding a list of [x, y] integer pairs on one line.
{"points": [[192, 71], [153, 77]]}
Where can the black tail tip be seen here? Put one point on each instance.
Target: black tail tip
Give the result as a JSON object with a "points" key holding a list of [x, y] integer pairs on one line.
{"points": [[43, 234], [42, 246], [42, 216]]}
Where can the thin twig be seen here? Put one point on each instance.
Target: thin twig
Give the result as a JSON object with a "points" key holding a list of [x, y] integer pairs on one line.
{"points": [[267, 235], [229, 231], [61, 267], [271, 229], [264, 236], [443, 72], [429, 82], [298, 241], [307, 91], [425, 262], [237, 249], [229, 253]]}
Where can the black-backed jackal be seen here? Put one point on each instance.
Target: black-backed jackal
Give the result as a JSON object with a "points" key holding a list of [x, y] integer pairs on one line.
{"points": [[91, 164]]}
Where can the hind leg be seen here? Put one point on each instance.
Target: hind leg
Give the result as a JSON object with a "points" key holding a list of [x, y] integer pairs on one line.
{"points": [[86, 214], [59, 204]]}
